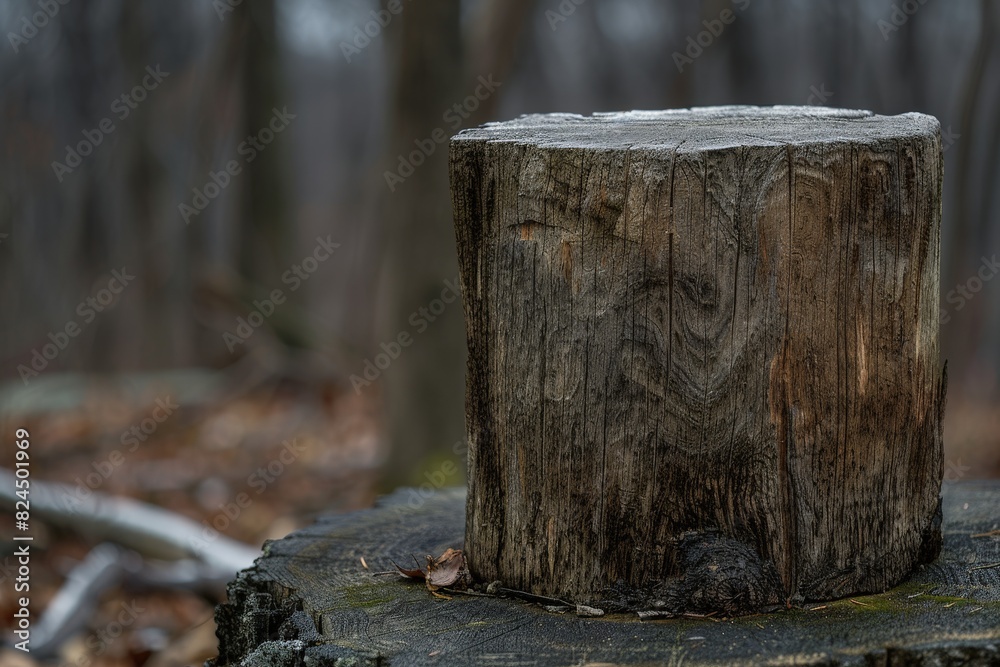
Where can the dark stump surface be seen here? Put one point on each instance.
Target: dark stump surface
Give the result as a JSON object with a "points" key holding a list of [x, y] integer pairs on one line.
{"points": [[309, 601]]}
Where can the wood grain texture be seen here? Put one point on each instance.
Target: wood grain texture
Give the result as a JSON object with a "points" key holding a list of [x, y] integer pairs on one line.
{"points": [[718, 321], [309, 602]]}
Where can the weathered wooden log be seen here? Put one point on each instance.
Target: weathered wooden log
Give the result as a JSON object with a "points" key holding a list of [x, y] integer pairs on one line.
{"points": [[705, 336], [308, 601]]}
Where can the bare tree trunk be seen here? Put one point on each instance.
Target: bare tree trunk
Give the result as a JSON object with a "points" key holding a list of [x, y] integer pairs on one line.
{"points": [[423, 384], [264, 210], [964, 256]]}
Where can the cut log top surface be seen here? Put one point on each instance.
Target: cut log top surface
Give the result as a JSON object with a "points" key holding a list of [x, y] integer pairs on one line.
{"points": [[707, 128], [309, 601]]}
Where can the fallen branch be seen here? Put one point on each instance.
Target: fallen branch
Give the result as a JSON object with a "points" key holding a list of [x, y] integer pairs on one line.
{"points": [[150, 530], [108, 566], [187, 575], [71, 607]]}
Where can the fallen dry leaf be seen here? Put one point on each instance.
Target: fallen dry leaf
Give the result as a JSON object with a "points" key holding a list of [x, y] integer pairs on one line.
{"points": [[446, 570], [411, 573]]}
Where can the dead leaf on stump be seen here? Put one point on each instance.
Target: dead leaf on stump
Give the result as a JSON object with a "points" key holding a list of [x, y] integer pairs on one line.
{"points": [[411, 573], [449, 570]]}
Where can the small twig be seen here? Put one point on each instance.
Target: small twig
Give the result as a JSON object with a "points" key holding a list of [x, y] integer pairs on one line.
{"points": [[861, 604], [691, 614], [989, 533], [472, 593], [531, 597], [973, 611], [984, 567], [510, 592], [363, 563], [950, 604], [822, 606]]}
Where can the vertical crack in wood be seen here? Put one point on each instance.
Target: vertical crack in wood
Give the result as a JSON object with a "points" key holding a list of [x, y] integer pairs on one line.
{"points": [[626, 566], [735, 221], [706, 351], [785, 437], [593, 315], [647, 542], [498, 494], [670, 271]]}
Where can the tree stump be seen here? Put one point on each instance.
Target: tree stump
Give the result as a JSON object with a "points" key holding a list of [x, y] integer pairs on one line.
{"points": [[310, 602], [703, 352]]}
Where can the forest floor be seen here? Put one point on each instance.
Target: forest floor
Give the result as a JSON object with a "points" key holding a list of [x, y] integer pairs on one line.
{"points": [[103, 436], [294, 451]]}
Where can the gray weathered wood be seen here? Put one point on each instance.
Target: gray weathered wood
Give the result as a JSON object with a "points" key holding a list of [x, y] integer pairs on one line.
{"points": [[717, 322], [309, 601]]}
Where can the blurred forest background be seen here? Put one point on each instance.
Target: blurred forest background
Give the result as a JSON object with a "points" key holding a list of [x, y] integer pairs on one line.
{"points": [[336, 94], [360, 102]]}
